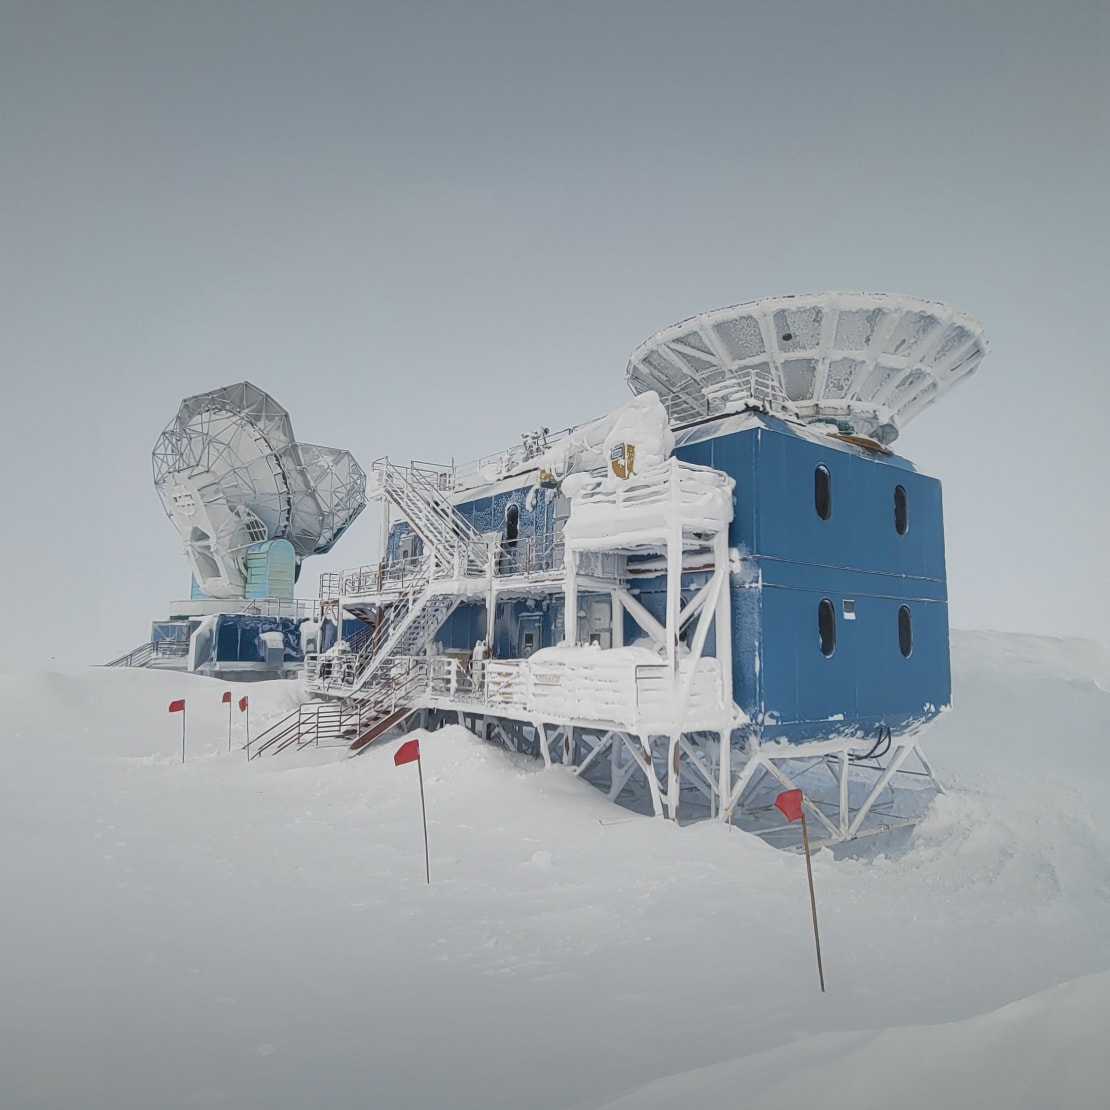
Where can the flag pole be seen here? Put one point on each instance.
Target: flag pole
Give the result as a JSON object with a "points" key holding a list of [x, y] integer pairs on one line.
{"points": [[813, 903], [424, 815], [183, 734], [245, 707], [230, 707]]}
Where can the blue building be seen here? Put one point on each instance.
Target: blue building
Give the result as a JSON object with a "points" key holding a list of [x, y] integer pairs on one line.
{"points": [[729, 586], [839, 608]]}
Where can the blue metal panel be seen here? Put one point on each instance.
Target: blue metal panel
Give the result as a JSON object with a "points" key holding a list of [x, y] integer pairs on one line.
{"points": [[172, 632], [736, 455], [848, 583], [463, 628], [351, 628], [535, 516], [398, 534], [535, 508], [747, 676], [508, 623], [792, 558], [271, 569], [236, 639]]}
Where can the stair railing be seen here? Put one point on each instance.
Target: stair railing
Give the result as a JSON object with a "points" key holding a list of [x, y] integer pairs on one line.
{"points": [[459, 546], [350, 670], [145, 654]]}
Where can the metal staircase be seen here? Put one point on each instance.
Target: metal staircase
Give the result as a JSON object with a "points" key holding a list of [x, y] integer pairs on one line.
{"points": [[404, 633], [168, 653], [453, 549], [350, 723], [457, 547]]}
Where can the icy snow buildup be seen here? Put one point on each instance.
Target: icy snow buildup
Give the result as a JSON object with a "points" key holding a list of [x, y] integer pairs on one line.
{"points": [[642, 424]]}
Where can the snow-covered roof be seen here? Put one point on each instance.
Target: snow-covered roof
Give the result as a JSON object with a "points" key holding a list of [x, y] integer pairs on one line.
{"points": [[871, 360]]}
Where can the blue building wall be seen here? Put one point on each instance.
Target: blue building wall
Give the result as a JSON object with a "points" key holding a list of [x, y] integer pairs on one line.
{"points": [[463, 628], [523, 626], [236, 638], [535, 517], [515, 619], [792, 559], [518, 624], [535, 509], [352, 627]]}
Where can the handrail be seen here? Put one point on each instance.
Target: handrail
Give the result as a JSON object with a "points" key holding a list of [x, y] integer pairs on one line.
{"points": [[280, 729], [352, 668], [371, 578], [511, 457], [144, 654], [530, 554], [296, 608], [525, 555], [427, 507]]}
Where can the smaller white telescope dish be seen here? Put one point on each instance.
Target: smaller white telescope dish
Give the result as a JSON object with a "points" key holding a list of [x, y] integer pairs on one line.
{"points": [[868, 361], [231, 475]]}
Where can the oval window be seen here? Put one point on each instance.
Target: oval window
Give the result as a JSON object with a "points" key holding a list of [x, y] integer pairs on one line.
{"points": [[512, 523], [822, 492], [905, 631], [826, 627], [901, 511]]}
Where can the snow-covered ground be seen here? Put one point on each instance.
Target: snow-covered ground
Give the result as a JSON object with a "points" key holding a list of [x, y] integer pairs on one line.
{"points": [[260, 935]]}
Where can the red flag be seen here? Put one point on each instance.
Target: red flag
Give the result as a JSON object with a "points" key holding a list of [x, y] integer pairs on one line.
{"points": [[177, 706], [226, 699], [243, 703], [407, 752], [790, 802]]}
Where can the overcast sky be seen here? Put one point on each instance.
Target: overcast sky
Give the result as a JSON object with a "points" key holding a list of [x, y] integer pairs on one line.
{"points": [[428, 227]]}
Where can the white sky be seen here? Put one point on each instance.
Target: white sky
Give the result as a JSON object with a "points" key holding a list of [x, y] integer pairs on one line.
{"points": [[428, 227]]}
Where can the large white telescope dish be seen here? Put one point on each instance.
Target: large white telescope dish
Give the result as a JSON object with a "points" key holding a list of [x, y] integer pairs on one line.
{"points": [[872, 361], [231, 475]]}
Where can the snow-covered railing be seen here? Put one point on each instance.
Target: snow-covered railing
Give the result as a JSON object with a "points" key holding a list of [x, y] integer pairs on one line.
{"points": [[405, 678], [525, 555], [605, 508], [295, 607], [372, 578], [530, 555], [558, 684], [589, 684], [491, 467]]}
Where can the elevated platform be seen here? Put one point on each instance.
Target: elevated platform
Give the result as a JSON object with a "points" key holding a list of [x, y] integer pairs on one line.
{"points": [[643, 510]]}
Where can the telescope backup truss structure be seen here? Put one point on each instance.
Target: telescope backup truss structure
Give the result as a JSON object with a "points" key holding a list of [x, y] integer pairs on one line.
{"points": [[869, 362], [231, 474]]}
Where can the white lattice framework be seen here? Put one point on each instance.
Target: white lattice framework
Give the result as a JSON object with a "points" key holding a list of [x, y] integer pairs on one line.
{"points": [[869, 361], [230, 475]]}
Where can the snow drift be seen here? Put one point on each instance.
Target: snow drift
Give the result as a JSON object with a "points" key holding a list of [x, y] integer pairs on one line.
{"points": [[221, 933]]}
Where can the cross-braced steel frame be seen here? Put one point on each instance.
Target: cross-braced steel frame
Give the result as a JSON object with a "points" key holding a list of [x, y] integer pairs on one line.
{"points": [[852, 788]]}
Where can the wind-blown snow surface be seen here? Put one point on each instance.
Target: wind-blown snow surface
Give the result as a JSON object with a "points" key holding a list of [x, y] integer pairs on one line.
{"points": [[260, 935]]}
